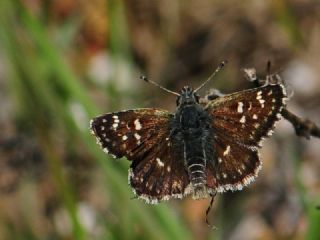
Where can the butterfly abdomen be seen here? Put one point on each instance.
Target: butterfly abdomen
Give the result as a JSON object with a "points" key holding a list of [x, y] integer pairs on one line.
{"points": [[196, 160]]}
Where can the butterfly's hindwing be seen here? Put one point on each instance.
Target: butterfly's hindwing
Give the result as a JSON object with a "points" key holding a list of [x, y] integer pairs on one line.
{"points": [[235, 167], [160, 175]]}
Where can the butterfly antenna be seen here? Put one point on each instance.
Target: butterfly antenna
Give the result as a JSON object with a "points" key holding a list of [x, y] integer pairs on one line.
{"points": [[268, 71], [221, 65], [144, 78], [269, 67]]}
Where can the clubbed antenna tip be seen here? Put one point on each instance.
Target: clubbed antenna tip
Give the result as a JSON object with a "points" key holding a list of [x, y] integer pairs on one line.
{"points": [[221, 65], [144, 78]]}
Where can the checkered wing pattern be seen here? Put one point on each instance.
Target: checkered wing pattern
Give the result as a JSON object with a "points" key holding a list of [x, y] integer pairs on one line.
{"points": [[142, 136], [239, 123]]}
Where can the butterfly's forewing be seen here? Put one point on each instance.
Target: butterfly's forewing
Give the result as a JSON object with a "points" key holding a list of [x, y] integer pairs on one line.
{"points": [[142, 136], [130, 133], [239, 122], [249, 115]]}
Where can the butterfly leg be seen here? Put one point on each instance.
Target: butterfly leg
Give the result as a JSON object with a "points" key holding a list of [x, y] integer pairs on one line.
{"points": [[213, 195]]}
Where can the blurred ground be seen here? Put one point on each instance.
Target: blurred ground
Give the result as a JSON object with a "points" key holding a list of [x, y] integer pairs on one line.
{"points": [[64, 61]]}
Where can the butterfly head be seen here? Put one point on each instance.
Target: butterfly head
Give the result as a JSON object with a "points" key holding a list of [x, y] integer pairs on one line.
{"points": [[187, 97]]}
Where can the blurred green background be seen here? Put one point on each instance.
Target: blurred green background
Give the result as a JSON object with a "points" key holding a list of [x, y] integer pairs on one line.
{"points": [[63, 62]]}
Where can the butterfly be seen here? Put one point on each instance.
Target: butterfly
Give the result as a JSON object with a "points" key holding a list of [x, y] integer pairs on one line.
{"points": [[203, 148]]}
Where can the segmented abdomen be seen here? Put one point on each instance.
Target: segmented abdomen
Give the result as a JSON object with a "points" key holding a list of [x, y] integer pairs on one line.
{"points": [[196, 162]]}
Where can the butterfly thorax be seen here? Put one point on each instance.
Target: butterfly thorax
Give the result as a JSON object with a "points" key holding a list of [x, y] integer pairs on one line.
{"points": [[192, 132]]}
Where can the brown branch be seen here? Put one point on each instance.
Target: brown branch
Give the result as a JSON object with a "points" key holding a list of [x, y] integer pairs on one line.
{"points": [[303, 127]]}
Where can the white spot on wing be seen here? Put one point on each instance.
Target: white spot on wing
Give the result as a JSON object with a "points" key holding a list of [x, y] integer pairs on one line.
{"points": [[160, 164], [255, 116], [137, 136], [240, 107], [115, 125], [259, 95], [243, 119], [262, 102], [137, 124], [227, 151], [124, 137]]}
